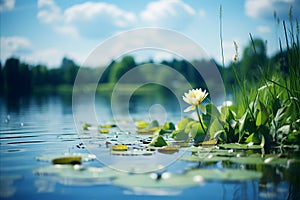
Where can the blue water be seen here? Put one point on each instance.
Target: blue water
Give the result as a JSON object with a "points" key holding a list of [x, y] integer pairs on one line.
{"points": [[33, 126]]}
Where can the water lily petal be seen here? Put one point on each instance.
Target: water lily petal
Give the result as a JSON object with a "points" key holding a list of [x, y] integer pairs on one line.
{"points": [[195, 96], [186, 99], [193, 107]]}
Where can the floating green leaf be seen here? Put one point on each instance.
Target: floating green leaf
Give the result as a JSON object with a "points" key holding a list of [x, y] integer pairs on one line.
{"points": [[86, 126], [142, 124], [158, 141], [119, 147], [168, 149], [269, 160], [153, 180], [248, 160], [225, 174], [240, 146], [77, 174], [147, 130], [49, 157], [214, 152], [133, 152], [204, 158], [74, 160]]}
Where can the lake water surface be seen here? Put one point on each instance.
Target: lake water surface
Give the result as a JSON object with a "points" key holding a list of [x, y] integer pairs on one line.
{"points": [[35, 126]]}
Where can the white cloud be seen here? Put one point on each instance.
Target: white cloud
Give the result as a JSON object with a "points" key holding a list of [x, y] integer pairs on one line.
{"points": [[48, 12], [266, 8], [168, 14], [13, 46], [51, 57], [154, 40], [21, 47], [99, 19], [263, 29], [90, 19], [94, 19], [7, 5]]}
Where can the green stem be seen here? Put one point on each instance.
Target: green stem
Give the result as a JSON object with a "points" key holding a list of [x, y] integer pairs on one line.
{"points": [[197, 109]]}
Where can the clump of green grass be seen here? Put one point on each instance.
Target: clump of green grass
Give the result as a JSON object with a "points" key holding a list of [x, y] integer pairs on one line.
{"points": [[269, 111]]}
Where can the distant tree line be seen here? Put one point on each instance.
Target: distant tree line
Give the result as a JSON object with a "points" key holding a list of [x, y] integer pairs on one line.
{"points": [[19, 78]]}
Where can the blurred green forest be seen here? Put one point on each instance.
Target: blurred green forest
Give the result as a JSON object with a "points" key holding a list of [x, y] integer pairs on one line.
{"points": [[18, 78]]}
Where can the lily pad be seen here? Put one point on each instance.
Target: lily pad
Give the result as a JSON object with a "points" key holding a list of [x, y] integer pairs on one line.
{"points": [[142, 124], [49, 157], [67, 160], [107, 126], [86, 126], [103, 131], [240, 146], [214, 152], [119, 147], [133, 152], [168, 149], [269, 160], [199, 149], [207, 158], [153, 180], [73, 137], [77, 174], [248, 160], [53, 169], [147, 131], [225, 174], [208, 143]]}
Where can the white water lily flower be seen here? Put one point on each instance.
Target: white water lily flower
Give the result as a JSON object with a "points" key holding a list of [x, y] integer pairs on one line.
{"points": [[194, 97]]}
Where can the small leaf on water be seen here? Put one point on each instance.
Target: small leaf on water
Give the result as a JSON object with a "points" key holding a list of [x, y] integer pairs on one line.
{"points": [[147, 131], [168, 149], [208, 143], [103, 131], [50, 157], [119, 147], [158, 141], [86, 126], [142, 124], [73, 160]]}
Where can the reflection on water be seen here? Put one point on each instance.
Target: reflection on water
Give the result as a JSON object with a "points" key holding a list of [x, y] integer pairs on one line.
{"points": [[38, 125]]}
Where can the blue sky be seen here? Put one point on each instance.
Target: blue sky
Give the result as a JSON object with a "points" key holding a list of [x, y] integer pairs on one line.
{"points": [[45, 31]]}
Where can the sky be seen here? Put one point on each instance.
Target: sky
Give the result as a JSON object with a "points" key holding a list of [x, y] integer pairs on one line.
{"points": [[45, 31]]}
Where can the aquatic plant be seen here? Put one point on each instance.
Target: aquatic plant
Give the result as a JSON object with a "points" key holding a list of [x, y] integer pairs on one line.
{"points": [[195, 97]]}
